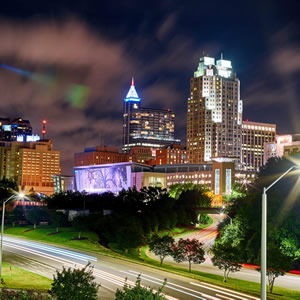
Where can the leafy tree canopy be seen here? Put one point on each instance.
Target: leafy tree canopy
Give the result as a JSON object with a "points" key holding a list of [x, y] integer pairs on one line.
{"points": [[77, 283]]}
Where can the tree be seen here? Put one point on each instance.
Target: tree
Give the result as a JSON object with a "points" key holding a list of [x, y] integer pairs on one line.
{"points": [[15, 215], [188, 250], [226, 258], [58, 219], [161, 246], [76, 282], [140, 292], [79, 224], [129, 237], [277, 264], [36, 214]]}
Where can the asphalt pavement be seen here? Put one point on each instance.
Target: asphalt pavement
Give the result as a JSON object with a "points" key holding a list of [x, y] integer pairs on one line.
{"points": [[110, 272]]}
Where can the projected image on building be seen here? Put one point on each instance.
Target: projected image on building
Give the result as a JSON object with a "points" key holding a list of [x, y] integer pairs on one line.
{"points": [[103, 179]]}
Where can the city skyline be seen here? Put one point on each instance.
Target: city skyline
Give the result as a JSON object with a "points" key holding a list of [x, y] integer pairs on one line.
{"points": [[67, 81]]}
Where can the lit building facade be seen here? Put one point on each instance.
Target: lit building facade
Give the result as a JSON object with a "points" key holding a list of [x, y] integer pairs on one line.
{"points": [[99, 155], [255, 136], [214, 112], [63, 183], [294, 148], [282, 142], [143, 155], [170, 155], [146, 127], [31, 165], [14, 129]]}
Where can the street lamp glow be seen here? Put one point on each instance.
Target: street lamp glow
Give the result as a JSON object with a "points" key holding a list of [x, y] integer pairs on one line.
{"points": [[263, 263]]}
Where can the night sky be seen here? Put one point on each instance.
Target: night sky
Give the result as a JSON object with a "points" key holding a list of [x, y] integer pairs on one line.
{"points": [[81, 55]]}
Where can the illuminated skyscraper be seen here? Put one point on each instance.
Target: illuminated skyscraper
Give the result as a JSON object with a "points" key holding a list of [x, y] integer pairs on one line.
{"points": [[214, 112], [146, 127], [14, 129]]}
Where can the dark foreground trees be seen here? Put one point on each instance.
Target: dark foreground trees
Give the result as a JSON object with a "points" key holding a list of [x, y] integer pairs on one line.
{"points": [[283, 234], [75, 284]]}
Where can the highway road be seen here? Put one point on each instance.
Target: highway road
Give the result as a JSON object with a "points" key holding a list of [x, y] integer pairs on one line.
{"points": [[110, 272], [207, 236]]}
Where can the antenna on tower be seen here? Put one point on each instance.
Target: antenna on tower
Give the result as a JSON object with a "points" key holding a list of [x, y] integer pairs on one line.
{"points": [[221, 55], [132, 81], [44, 122]]}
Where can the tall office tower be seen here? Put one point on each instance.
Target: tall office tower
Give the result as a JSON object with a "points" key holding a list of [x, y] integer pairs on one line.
{"points": [[31, 165], [14, 129], [147, 127], [255, 137], [214, 112]]}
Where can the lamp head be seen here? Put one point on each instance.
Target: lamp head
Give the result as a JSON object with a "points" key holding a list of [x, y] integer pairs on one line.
{"points": [[21, 196]]}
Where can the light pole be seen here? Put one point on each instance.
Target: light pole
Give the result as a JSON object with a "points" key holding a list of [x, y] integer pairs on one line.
{"points": [[222, 214], [263, 263], [20, 196]]}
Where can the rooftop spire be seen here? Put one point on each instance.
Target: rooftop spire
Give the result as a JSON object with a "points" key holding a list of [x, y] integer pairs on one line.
{"points": [[132, 94]]}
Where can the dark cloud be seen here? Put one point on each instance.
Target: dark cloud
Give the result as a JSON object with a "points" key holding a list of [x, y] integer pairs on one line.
{"points": [[76, 54], [273, 93]]}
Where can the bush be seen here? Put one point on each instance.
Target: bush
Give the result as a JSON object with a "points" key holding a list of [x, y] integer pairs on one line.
{"points": [[139, 292], [6, 294], [76, 282]]}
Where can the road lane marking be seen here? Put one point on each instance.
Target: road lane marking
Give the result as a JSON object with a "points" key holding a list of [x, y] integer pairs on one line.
{"points": [[52, 249], [238, 293], [229, 293], [167, 285], [38, 253], [224, 297], [119, 281], [201, 293]]}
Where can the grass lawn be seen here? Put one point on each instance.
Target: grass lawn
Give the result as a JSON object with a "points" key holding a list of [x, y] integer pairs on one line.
{"points": [[235, 284], [63, 238], [22, 279], [91, 244]]}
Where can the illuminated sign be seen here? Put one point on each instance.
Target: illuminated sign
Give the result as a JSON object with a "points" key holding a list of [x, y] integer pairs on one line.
{"points": [[217, 181], [209, 72], [6, 127], [224, 73], [103, 179], [28, 138], [228, 182], [132, 95]]}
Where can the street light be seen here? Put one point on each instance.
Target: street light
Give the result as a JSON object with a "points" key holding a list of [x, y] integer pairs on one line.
{"points": [[263, 263], [222, 214], [16, 195]]}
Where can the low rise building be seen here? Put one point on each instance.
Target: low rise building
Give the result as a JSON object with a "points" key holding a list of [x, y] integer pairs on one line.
{"points": [[99, 155], [290, 142], [63, 183]]}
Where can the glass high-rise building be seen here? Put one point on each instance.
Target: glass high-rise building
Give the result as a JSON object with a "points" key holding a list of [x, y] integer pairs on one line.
{"points": [[14, 129], [214, 112], [146, 127]]}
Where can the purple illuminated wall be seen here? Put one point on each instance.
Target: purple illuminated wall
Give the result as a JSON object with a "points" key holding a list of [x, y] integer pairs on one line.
{"points": [[103, 179]]}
